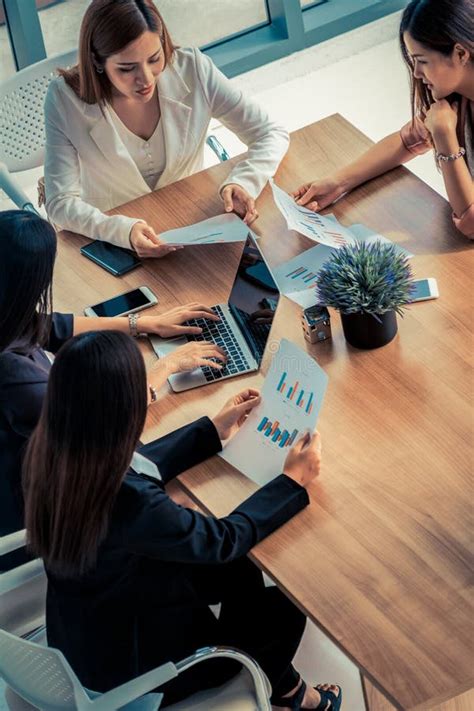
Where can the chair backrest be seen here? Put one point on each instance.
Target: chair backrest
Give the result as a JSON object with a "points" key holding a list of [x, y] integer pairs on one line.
{"points": [[22, 135], [40, 675]]}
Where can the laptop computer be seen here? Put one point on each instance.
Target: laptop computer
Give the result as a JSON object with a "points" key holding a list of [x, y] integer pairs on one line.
{"points": [[243, 330]]}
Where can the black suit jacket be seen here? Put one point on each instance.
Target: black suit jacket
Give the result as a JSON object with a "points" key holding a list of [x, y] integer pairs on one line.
{"points": [[23, 382], [115, 622]]}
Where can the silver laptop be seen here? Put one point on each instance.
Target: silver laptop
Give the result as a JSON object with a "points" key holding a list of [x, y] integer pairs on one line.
{"points": [[243, 330]]}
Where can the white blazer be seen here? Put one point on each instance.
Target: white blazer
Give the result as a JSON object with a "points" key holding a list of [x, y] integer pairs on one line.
{"points": [[88, 169]]}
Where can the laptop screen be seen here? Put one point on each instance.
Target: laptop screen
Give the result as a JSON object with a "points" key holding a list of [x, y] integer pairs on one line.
{"points": [[254, 298]]}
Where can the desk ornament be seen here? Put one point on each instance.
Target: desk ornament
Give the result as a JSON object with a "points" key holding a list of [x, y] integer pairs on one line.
{"points": [[368, 284]]}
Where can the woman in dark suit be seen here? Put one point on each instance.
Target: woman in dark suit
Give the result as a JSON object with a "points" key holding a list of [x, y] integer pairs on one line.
{"points": [[131, 574], [30, 335]]}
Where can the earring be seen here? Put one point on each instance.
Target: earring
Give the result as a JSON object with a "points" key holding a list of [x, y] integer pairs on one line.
{"points": [[99, 70]]}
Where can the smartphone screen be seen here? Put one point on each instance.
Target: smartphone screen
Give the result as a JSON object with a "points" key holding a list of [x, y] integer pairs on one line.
{"points": [[421, 290], [114, 259], [121, 304]]}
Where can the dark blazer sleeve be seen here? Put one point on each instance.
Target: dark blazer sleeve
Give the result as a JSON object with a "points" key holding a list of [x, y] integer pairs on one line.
{"points": [[183, 448], [62, 326], [161, 529]]}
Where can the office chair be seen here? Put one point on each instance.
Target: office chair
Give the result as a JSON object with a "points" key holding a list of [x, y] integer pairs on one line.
{"points": [[22, 136], [38, 676]]}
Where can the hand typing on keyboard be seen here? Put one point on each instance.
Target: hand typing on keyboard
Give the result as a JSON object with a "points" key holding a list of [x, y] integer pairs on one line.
{"points": [[193, 355], [220, 334]]}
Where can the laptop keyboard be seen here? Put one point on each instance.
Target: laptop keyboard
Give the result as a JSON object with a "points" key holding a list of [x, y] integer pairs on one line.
{"points": [[220, 333]]}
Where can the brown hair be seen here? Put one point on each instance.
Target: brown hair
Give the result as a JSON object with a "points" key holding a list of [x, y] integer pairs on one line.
{"points": [[107, 27], [439, 25], [92, 418]]}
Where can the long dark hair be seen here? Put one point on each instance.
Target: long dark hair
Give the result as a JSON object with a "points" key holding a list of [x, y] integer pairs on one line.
{"points": [[27, 255], [90, 424], [107, 27], [438, 25]]}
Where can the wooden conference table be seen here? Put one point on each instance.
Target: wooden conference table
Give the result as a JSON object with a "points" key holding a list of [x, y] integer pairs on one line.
{"points": [[380, 560]]}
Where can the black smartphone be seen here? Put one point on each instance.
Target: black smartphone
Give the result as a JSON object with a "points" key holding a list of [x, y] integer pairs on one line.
{"points": [[115, 260]]}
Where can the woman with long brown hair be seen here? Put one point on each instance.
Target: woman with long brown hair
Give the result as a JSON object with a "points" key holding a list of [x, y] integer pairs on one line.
{"points": [[130, 573], [437, 43], [132, 116]]}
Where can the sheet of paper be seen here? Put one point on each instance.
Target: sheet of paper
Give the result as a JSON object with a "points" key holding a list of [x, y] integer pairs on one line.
{"points": [[315, 226], [304, 298], [301, 272], [222, 228], [292, 396]]}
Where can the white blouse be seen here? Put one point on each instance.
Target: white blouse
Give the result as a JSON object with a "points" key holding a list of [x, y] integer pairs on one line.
{"points": [[149, 156]]}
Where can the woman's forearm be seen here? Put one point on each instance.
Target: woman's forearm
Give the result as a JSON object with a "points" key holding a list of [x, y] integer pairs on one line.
{"points": [[102, 323], [457, 178], [380, 158]]}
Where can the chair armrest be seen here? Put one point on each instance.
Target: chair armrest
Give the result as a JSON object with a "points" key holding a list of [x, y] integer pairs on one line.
{"points": [[9, 185], [132, 690], [263, 690], [124, 694], [15, 578], [218, 148], [13, 541]]}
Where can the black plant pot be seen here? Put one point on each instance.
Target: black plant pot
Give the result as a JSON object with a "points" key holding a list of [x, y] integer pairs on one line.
{"points": [[367, 331]]}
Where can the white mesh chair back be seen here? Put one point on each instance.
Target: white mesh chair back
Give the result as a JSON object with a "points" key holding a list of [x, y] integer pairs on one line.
{"points": [[40, 675], [22, 136]]}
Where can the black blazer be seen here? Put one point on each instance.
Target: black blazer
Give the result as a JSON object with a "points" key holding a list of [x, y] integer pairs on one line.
{"points": [[111, 622], [23, 382]]}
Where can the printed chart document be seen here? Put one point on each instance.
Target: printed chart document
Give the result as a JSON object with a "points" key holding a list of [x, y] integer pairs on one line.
{"points": [[222, 228], [297, 277], [321, 229], [292, 396]]}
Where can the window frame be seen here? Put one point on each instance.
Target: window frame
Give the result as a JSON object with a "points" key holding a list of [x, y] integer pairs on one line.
{"points": [[290, 28]]}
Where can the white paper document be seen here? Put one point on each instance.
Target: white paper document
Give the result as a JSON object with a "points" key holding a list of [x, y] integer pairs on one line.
{"points": [[222, 228], [315, 226], [301, 272], [292, 396]]}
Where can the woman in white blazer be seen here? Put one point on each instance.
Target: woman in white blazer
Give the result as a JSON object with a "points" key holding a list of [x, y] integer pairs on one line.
{"points": [[132, 116]]}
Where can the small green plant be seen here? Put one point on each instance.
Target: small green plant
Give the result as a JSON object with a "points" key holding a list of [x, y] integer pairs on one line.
{"points": [[362, 278]]}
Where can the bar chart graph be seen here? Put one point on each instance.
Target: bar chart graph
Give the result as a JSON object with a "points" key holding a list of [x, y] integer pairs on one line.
{"points": [[301, 398], [275, 433], [291, 400], [303, 274]]}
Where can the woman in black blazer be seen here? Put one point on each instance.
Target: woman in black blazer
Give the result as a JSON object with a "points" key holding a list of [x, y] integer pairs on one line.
{"points": [[30, 336], [131, 574]]}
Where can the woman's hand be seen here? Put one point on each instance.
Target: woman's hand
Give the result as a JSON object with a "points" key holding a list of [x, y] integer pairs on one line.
{"points": [[237, 199], [170, 323], [146, 242], [194, 354], [441, 119], [318, 195], [303, 461], [235, 412]]}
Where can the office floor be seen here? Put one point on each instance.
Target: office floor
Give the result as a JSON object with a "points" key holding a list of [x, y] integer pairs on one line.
{"points": [[361, 76]]}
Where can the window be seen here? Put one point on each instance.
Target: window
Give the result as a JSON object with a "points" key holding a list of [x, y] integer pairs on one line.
{"points": [[7, 65]]}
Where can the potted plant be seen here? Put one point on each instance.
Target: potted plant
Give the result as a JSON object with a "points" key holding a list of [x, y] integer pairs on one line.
{"points": [[368, 285]]}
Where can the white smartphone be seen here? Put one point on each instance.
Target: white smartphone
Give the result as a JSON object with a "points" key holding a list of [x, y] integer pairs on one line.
{"points": [[128, 303], [425, 289]]}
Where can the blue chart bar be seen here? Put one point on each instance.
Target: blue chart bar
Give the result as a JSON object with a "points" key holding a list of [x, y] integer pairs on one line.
{"points": [[268, 431], [284, 437], [292, 438], [282, 380], [308, 406], [299, 397], [276, 434], [262, 424]]}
